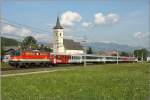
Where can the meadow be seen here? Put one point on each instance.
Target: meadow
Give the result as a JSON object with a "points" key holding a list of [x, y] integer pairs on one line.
{"points": [[94, 82]]}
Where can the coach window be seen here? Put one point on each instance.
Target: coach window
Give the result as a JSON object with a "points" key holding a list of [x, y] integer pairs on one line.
{"points": [[58, 57], [76, 57]]}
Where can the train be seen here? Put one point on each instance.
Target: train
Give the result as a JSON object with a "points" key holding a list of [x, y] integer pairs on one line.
{"points": [[39, 58]]}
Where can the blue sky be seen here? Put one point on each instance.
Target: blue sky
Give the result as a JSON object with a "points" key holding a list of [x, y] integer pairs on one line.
{"points": [[128, 24]]}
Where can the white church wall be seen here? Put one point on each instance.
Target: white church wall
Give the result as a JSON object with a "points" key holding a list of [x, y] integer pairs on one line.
{"points": [[74, 51]]}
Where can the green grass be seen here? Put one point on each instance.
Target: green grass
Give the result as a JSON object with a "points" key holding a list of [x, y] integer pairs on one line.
{"points": [[5, 65], [95, 82]]}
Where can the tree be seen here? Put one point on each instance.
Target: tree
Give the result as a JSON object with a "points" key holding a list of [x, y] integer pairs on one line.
{"points": [[29, 43], [141, 53], [89, 51], [2, 51], [47, 49], [41, 47], [8, 42], [124, 53]]}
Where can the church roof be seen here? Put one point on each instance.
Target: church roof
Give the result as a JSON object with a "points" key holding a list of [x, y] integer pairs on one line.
{"points": [[58, 26], [72, 45]]}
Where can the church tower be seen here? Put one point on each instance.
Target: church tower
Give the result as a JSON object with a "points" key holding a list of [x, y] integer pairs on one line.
{"points": [[58, 34]]}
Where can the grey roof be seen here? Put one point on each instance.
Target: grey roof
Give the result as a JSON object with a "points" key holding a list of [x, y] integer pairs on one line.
{"points": [[58, 26], [10, 47], [72, 45]]}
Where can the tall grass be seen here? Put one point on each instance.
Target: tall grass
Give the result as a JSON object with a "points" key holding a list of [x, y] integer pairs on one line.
{"points": [[95, 82]]}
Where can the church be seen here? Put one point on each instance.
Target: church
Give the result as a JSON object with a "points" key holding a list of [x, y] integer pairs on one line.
{"points": [[65, 46]]}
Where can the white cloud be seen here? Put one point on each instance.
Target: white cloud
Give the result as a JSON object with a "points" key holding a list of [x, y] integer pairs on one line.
{"points": [[140, 35], [11, 30], [86, 24], [41, 36], [68, 18], [100, 19], [8, 29], [112, 18], [20, 33], [23, 32]]}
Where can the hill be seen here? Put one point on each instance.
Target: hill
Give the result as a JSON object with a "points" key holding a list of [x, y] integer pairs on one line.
{"points": [[102, 46], [8, 42]]}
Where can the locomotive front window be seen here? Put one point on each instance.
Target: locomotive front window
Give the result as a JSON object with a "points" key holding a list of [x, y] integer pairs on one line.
{"points": [[17, 53]]}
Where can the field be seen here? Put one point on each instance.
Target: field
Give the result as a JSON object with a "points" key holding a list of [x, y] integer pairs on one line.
{"points": [[94, 82]]}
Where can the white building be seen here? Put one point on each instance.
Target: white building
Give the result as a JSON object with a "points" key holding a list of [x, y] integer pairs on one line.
{"points": [[72, 47], [148, 59], [61, 45]]}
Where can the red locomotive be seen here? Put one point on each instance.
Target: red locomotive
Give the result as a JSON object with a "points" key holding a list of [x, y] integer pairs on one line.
{"points": [[26, 58], [29, 58]]}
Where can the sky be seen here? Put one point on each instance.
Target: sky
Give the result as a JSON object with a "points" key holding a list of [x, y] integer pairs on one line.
{"points": [[119, 21]]}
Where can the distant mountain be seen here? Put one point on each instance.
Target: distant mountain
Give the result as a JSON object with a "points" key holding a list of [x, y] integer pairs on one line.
{"points": [[102, 46], [8, 41]]}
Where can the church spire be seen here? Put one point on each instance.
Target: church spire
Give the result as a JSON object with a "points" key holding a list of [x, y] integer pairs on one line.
{"points": [[58, 26]]}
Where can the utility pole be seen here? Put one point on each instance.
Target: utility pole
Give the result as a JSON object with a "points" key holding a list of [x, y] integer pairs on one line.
{"points": [[84, 43], [85, 57], [133, 57], [117, 56], [142, 57]]}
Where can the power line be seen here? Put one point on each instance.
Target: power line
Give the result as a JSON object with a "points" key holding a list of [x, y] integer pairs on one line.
{"points": [[21, 27], [16, 24]]}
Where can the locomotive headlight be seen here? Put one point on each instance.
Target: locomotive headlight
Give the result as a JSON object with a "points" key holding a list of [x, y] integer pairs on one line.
{"points": [[37, 53]]}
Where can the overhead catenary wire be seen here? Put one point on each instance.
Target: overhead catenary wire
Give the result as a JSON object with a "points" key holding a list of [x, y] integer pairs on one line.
{"points": [[18, 25]]}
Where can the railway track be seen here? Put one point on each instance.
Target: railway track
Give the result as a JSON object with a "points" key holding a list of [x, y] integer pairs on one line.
{"points": [[23, 72], [13, 70]]}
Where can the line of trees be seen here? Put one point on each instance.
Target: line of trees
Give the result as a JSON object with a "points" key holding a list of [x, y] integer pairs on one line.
{"points": [[141, 54]]}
